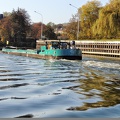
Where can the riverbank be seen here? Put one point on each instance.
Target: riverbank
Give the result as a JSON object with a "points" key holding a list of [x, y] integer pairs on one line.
{"points": [[101, 57]]}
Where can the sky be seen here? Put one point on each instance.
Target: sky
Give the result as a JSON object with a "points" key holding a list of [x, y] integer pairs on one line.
{"points": [[55, 11]]}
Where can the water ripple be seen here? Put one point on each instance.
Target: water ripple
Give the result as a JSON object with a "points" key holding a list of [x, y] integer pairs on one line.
{"points": [[35, 88]]}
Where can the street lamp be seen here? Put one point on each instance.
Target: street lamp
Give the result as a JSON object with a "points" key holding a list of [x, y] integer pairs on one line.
{"points": [[41, 24], [78, 21]]}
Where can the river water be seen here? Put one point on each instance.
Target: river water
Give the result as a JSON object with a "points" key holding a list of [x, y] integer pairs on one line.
{"points": [[29, 87]]}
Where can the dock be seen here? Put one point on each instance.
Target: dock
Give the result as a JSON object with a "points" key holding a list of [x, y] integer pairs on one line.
{"points": [[106, 48]]}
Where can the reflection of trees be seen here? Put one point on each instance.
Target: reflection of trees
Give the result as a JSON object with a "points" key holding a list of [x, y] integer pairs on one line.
{"points": [[98, 86]]}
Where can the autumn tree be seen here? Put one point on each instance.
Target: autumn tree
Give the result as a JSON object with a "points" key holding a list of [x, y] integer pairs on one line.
{"points": [[20, 25], [71, 28], [14, 27], [36, 30], [108, 24], [49, 33], [88, 15], [5, 29]]}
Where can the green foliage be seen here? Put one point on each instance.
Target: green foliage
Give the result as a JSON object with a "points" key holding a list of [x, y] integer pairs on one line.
{"points": [[14, 27], [108, 24], [49, 32], [20, 24], [97, 22], [71, 28], [5, 29], [51, 24], [88, 16], [71, 31], [6, 14], [36, 30]]}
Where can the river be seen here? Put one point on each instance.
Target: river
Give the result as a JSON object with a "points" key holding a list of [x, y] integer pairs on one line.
{"points": [[36, 88]]}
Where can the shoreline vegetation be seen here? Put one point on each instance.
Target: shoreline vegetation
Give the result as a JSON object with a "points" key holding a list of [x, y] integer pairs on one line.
{"points": [[96, 23]]}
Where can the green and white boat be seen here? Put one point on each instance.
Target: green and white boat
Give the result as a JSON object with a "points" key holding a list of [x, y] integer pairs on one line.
{"points": [[51, 50]]}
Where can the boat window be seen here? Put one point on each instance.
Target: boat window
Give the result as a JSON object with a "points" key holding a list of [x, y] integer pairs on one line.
{"points": [[60, 45], [63, 45], [55, 45]]}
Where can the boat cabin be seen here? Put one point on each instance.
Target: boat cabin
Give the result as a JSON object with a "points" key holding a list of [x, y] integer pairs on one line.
{"points": [[55, 44], [60, 45]]}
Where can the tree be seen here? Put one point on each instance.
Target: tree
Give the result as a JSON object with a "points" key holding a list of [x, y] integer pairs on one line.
{"points": [[15, 26], [36, 30], [20, 25], [51, 24], [71, 28], [6, 14], [49, 33], [5, 29], [88, 15], [108, 24]]}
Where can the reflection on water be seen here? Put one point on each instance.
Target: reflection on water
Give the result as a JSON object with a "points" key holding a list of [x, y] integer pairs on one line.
{"points": [[105, 89], [59, 88]]}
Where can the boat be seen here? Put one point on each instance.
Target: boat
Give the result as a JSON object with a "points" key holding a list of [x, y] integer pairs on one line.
{"points": [[50, 50]]}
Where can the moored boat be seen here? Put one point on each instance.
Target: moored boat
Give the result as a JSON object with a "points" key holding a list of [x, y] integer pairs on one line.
{"points": [[53, 49]]}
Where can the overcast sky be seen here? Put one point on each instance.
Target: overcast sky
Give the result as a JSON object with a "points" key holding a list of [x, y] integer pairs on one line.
{"points": [[56, 11]]}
